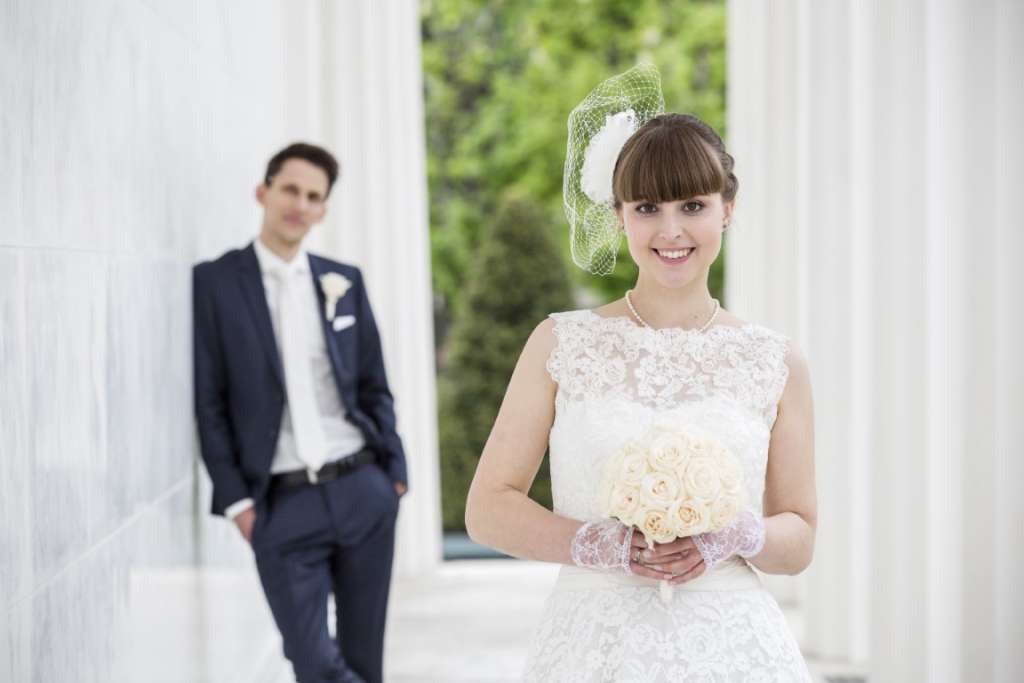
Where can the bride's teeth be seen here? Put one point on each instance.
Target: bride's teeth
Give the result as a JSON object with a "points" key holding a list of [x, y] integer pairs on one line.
{"points": [[678, 253]]}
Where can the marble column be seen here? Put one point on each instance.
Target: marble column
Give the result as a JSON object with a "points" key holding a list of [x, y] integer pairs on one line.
{"points": [[1004, 555], [881, 142]]}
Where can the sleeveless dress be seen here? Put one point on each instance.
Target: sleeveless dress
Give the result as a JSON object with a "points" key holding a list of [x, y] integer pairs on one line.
{"points": [[615, 379]]}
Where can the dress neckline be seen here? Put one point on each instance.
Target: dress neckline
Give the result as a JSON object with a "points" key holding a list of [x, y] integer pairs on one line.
{"points": [[627, 321]]}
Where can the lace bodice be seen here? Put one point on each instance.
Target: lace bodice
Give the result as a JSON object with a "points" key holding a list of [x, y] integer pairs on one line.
{"points": [[615, 378]]}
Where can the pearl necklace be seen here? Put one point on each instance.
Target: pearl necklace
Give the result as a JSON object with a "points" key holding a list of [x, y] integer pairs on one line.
{"points": [[703, 328]]}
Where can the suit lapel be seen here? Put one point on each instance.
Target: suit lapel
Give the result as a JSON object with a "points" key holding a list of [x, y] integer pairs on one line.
{"points": [[251, 281], [330, 338]]}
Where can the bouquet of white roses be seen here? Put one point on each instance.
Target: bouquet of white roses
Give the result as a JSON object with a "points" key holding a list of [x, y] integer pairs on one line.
{"points": [[676, 481]]}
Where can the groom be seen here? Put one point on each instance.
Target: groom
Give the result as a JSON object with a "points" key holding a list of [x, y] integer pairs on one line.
{"points": [[296, 425]]}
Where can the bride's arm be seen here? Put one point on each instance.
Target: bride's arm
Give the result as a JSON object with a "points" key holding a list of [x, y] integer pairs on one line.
{"points": [[499, 514], [498, 511], [790, 501]]}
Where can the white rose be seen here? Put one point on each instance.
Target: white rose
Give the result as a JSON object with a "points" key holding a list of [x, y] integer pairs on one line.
{"points": [[723, 512], [730, 474], [668, 453], [655, 527], [689, 517], [623, 503], [659, 489], [701, 479], [633, 465], [334, 286], [699, 443]]}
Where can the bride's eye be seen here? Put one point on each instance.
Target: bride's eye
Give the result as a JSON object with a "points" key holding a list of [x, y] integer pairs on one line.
{"points": [[646, 208], [692, 207]]}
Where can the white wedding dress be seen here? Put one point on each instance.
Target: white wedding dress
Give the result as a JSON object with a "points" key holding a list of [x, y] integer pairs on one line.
{"points": [[614, 379]]}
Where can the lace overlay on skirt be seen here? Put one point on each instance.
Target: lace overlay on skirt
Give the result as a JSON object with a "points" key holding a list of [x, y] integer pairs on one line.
{"points": [[614, 380]]}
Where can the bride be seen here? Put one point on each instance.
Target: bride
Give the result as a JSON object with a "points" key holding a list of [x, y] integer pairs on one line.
{"points": [[590, 380]]}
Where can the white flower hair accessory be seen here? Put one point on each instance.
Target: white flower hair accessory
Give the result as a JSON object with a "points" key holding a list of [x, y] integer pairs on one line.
{"points": [[334, 285], [598, 128], [602, 153]]}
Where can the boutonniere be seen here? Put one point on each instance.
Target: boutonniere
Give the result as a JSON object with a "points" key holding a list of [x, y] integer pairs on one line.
{"points": [[334, 285]]}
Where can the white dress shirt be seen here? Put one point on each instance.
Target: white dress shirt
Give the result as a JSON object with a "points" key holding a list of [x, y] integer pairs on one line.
{"points": [[342, 437]]}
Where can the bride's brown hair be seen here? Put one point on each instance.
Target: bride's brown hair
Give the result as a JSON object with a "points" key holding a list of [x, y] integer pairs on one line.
{"points": [[673, 157]]}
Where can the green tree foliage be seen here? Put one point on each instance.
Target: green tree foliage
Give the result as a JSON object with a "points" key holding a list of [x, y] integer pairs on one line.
{"points": [[501, 77], [518, 276]]}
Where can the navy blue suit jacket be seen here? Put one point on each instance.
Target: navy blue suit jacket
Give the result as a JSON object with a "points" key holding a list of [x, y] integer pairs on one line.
{"points": [[239, 380]]}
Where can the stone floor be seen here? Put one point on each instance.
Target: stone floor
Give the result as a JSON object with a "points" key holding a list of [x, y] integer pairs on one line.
{"points": [[472, 620]]}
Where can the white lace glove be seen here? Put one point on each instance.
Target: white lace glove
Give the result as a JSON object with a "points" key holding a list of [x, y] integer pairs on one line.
{"points": [[603, 545], [744, 537]]}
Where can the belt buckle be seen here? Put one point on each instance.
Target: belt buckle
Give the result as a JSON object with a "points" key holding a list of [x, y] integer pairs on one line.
{"points": [[311, 475]]}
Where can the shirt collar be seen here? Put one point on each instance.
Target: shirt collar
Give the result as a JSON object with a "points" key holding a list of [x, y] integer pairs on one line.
{"points": [[271, 263]]}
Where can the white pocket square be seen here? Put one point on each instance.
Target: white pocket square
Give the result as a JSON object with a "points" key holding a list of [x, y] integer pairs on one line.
{"points": [[343, 321]]}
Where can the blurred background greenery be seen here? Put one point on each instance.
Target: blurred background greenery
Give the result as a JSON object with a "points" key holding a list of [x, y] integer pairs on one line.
{"points": [[501, 77]]}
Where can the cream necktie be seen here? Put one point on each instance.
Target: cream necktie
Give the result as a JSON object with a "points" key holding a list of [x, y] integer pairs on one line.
{"points": [[310, 441]]}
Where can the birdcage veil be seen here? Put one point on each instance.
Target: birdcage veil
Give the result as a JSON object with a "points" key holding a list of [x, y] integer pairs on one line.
{"points": [[598, 128]]}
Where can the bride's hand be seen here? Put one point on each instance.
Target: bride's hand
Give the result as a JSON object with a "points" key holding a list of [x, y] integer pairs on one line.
{"points": [[637, 565], [678, 562], [611, 546], [744, 537]]}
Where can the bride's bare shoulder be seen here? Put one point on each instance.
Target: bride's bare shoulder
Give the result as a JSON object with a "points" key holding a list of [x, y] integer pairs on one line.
{"points": [[541, 342], [612, 309]]}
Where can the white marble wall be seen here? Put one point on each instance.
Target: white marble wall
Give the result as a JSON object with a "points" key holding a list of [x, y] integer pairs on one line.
{"points": [[131, 135], [878, 147]]}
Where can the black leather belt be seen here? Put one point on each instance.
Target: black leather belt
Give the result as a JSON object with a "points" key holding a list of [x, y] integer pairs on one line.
{"points": [[328, 472]]}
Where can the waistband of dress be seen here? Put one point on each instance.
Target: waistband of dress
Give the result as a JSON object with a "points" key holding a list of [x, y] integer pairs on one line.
{"points": [[732, 575]]}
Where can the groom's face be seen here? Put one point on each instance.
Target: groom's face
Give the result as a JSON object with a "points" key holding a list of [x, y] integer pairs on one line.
{"points": [[294, 201]]}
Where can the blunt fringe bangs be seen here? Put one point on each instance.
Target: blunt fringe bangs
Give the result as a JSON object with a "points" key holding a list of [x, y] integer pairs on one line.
{"points": [[667, 160]]}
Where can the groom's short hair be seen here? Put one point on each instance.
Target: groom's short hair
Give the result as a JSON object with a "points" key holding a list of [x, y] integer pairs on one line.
{"points": [[318, 156]]}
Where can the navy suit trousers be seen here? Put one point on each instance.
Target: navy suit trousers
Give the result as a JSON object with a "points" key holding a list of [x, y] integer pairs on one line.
{"points": [[335, 537]]}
